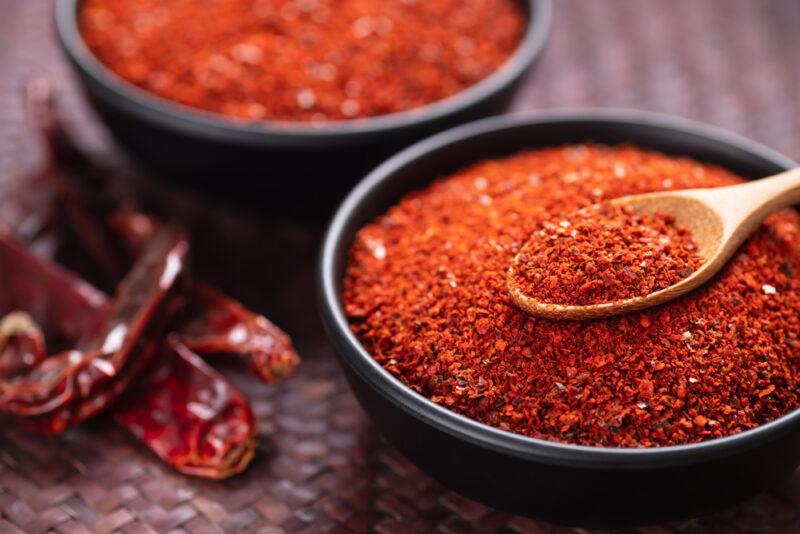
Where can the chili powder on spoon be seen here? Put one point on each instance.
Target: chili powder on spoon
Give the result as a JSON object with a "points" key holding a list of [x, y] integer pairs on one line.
{"points": [[603, 254]]}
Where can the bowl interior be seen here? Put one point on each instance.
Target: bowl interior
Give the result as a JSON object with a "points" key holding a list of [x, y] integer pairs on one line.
{"points": [[160, 110], [446, 153]]}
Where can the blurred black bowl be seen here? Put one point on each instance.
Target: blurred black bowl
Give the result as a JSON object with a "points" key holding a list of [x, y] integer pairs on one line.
{"points": [[183, 142], [569, 484]]}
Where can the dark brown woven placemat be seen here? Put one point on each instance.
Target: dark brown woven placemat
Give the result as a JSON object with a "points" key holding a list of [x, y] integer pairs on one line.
{"points": [[321, 466]]}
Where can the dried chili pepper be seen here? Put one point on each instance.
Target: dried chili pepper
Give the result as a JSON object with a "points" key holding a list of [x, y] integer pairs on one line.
{"points": [[426, 293], [603, 254], [206, 429], [61, 305], [313, 60], [204, 426], [190, 416], [56, 302], [218, 325], [76, 384], [215, 325]]}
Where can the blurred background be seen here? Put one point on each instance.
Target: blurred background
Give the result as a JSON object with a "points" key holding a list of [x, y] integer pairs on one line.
{"points": [[733, 63]]}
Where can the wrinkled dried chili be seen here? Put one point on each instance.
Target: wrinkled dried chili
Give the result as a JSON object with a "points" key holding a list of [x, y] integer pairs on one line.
{"points": [[76, 384], [190, 416], [426, 294], [72, 188], [217, 325], [181, 409], [603, 254], [204, 426], [213, 324], [303, 60]]}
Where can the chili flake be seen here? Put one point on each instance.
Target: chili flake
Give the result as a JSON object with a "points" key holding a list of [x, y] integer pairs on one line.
{"points": [[303, 60], [622, 381]]}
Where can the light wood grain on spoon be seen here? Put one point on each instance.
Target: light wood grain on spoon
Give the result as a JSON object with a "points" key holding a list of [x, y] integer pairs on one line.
{"points": [[720, 220]]}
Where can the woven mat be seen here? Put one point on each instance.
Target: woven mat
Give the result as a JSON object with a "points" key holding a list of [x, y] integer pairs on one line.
{"points": [[321, 466]]}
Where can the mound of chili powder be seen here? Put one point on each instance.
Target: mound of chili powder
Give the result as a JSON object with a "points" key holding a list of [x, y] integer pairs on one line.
{"points": [[303, 60], [426, 294], [603, 254]]}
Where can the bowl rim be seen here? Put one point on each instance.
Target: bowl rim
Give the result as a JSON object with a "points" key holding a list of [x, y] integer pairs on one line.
{"points": [[163, 112], [412, 403]]}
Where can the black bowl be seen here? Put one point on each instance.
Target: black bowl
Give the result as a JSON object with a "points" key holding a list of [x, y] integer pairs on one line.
{"points": [[568, 484], [184, 142]]}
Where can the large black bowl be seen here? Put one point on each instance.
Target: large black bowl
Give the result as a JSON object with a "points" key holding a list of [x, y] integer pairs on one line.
{"points": [[185, 142], [569, 484]]}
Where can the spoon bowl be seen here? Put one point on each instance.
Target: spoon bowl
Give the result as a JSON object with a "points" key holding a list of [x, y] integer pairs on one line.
{"points": [[720, 220]]}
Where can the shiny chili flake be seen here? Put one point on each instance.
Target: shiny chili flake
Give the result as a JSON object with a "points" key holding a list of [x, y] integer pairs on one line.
{"points": [[303, 60], [426, 293], [604, 253]]}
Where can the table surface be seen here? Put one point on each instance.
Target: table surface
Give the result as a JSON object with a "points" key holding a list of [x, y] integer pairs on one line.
{"points": [[320, 464]]}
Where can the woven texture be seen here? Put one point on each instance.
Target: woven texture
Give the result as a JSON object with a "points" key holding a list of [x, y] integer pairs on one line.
{"points": [[320, 465]]}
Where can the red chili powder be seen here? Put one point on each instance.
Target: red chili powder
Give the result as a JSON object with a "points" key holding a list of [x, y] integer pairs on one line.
{"points": [[303, 60], [426, 293], [603, 254]]}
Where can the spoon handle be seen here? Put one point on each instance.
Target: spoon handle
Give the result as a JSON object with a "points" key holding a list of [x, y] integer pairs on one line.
{"points": [[776, 192], [743, 207]]}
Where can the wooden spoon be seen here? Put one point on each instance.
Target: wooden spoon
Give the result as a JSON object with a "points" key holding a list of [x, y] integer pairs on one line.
{"points": [[720, 220]]}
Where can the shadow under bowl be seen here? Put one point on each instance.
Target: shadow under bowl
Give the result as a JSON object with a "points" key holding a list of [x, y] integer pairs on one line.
{"points": [[218, 152], [568, 484]]}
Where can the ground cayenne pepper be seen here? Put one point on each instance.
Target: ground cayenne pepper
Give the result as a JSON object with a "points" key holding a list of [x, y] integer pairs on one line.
{"points": [[426, 294], [603, 253], [303, 60]]}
